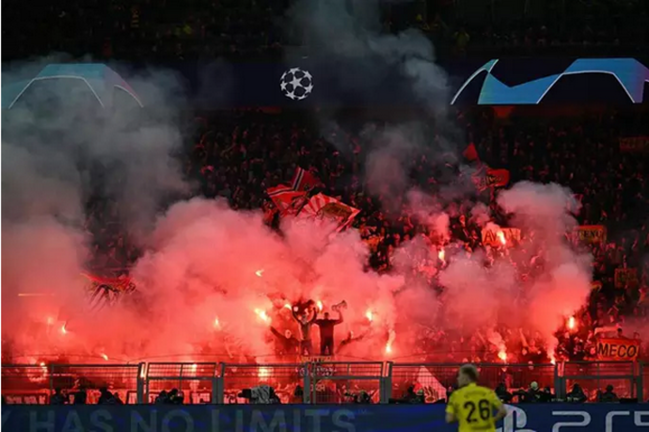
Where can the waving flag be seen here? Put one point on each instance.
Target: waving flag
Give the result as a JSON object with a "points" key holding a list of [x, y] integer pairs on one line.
{"points": [[327, 208], [470, 153], [104, 292], [304, 180], [497, 177], [287, 200]]}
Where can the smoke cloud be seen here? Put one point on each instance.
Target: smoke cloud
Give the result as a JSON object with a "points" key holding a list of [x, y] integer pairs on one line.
{"points": [[61, 152], [211, 280]]}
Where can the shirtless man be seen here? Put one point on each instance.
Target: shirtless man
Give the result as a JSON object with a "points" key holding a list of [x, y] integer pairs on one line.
{"points": [[305, 322]]}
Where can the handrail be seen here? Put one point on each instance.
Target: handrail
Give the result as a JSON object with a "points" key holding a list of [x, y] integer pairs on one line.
{"points": [[46, 377]]}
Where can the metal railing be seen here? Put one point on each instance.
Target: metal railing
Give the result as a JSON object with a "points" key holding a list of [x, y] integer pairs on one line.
{"points": [[434, 379], [342, 382], [38, 382], [314, 382], [594, 376], [289, 381], [198, 380]]}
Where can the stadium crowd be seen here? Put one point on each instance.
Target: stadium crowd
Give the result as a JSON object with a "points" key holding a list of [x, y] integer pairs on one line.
{"points": [[238, 155], [171, 30]]}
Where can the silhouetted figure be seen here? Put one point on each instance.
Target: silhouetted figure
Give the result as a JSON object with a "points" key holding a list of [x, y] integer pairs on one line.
{"points": [[609, 395], [306, 346], [106, 397], [412, 397], [545, 395], [175, 397], [327, 333], [161, 398], [503, 394], [531, 395], [577, 394], [58, 398], [80, 397]]}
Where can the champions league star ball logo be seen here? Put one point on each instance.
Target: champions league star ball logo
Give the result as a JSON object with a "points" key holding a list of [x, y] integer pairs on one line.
{"points": [[296, 84]]}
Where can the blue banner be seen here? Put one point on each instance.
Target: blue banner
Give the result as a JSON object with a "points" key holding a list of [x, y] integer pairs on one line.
{"points": [[326, 83], [311, 418]]}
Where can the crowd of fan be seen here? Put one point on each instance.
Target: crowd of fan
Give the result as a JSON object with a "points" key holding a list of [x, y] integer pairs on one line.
{"points": [[170, 30], [238, 155]]}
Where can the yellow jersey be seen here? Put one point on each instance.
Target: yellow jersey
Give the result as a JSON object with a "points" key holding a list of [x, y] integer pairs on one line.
{"points": [[473, 406]]}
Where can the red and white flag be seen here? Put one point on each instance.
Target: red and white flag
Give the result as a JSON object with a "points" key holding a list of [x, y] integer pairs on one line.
{"points": [[324, 207], [304, 180], [287, 200], [497, 177]]}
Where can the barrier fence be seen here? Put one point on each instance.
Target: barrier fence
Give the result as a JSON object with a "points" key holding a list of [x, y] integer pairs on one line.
{"points": [[319, 382]]}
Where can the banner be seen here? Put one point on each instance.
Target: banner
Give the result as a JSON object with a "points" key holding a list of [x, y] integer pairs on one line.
{"points": [[501, 237], [626, 278], [497, 177], [103, 291], [304, 180], [591, 233], [287, 200], [471, 153], [327, 208], [479, 177], [591, 417], [638, 144], [618, 349], [432, 388]]}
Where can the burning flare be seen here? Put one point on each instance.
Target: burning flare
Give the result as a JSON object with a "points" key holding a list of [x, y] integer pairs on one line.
{"points": [[259, 272], [572, 323], [441, 255], [217, 323], [104, 356], [263, 373], [63, 329], [501, 238], [391, 337], [502, 355], [369, 315], [288, 306], [320, 306], [262, 314]]}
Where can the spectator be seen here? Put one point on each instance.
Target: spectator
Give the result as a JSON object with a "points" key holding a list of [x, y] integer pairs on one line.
{"points": [[576, 394], [162, 398], [531, 395], [80, 396], [545, 395], [59, 398], [175, 397], [608, 395], [503, 394], [106, 397], [327, 332]]}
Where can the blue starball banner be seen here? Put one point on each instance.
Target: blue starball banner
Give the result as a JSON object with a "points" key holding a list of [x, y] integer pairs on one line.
{"points": [[625, 74], [326, 418], [327, 83]]}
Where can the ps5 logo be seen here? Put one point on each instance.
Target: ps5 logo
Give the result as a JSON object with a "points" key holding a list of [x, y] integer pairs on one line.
{"points": [[514, 421], [637, 418], [609, 423], [585, 420]]}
